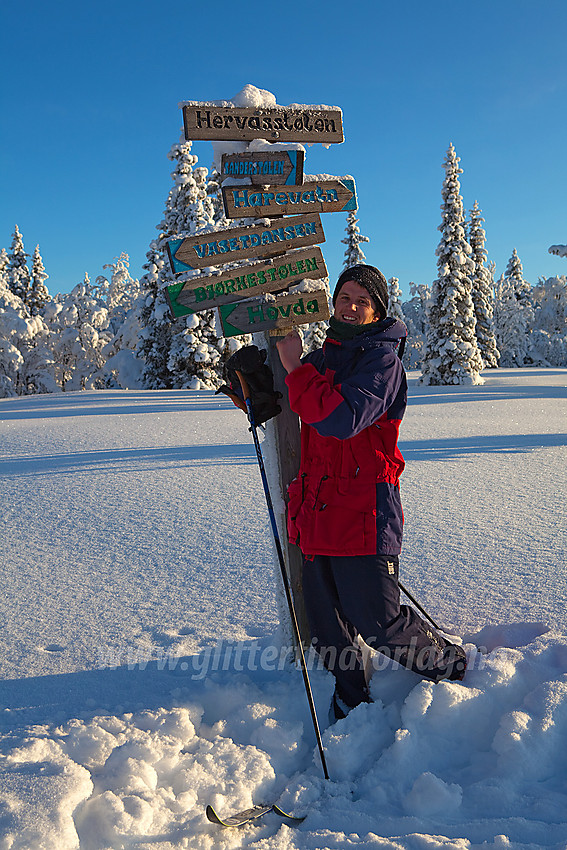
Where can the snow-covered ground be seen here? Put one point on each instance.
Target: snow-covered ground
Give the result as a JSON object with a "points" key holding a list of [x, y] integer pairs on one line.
{"points": [[141, 669]]}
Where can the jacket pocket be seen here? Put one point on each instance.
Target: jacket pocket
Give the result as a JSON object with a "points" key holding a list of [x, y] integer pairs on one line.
{"points": [[343, 518]]}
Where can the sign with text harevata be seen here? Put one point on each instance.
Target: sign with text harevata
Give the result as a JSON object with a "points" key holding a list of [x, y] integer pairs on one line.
{"points": [[257, 314], [204, 121], [207, 291], [262, 167], [242, 243], [324, 196]]}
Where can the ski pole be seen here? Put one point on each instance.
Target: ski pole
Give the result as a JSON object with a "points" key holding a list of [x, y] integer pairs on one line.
{"points": [[287, 588], [418, 606]]}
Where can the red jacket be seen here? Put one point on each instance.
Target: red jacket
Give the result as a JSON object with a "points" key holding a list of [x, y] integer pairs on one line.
{"points": [[351, 397]]}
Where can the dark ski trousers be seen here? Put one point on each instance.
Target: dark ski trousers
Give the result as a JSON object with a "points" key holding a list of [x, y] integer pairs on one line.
{"points": [[348, 597]]}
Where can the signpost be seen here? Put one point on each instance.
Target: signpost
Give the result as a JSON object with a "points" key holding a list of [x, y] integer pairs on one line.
{"points": [[207, 291], [265, 184], [251, 316], [281, 167], [239, 243], [207, 122], [320, 196]]}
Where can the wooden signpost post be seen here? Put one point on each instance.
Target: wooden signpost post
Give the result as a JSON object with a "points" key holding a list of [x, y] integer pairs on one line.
{"points": [[266, 184], [260, 167]]}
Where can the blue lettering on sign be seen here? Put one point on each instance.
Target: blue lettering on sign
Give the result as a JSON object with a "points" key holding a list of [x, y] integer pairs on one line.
{"points": [[240, 197]]}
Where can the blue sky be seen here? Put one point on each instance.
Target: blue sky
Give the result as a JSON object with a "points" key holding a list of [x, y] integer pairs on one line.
{"points": [[89, 110]]}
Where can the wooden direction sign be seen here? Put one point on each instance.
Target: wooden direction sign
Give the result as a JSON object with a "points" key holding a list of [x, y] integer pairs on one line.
{"points": [[235, 123], [320, 196], [242, 243], [208, 291], [257, 314], [261, 167]]}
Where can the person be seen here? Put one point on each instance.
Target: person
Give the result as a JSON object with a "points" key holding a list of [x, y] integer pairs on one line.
{"points": [[344, 509]]}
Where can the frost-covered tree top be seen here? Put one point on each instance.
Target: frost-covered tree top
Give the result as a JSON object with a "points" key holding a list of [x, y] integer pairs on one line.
{"points": [[18, 271], [558, 250], [39, 293], [188, 208], [451, 353], [515, 274], [353, 253]]}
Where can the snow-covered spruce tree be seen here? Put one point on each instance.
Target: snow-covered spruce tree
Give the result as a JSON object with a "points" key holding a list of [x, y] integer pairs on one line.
{"points": [[78, 324], [482, 290], [121, 295], [38, 294], [509, 324], [548, 339], [4, 260], [353, 253], [558, 250], [514, 314], [415, 318], [184, 352], [515, 273], [395, 299], [24, 359], [451, 352], [18, 271]]}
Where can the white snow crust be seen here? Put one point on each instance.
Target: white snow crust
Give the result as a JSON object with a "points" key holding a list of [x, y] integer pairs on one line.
{"points": [[143, 671]]}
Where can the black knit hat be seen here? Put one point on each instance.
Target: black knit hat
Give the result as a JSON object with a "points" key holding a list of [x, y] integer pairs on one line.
{"points": [[372, 280]]}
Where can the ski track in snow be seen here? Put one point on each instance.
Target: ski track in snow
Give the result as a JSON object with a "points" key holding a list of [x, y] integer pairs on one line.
{"points": [[141, 664]]}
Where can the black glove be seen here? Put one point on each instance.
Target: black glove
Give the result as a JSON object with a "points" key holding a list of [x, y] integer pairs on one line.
{"points": [[251, 362]]}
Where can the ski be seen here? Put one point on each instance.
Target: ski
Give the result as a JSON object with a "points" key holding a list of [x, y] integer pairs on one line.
{"points": [[249, 815]]}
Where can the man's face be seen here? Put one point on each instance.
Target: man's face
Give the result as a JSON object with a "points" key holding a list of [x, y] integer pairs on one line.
{"points": [[354, 306]]}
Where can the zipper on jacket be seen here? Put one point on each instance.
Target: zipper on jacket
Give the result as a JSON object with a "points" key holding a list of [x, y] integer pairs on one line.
{"points": [[324, 478]]}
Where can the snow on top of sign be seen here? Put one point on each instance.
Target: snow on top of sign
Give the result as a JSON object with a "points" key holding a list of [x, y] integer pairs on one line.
{"points": [[251, 96], [321, 178], [308, 285]]}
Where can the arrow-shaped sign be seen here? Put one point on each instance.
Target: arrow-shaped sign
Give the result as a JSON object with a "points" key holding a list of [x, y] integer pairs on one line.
{"points": [[241, 243], [284, 311], [318, 196], [261, 167], [207, 291]]}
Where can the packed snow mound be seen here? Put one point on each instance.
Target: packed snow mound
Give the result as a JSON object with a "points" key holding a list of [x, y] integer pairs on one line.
{"points": [[469, 761]]}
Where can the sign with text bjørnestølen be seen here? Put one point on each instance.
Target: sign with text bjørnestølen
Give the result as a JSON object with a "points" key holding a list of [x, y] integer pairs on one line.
{"points": [[242, 243], [279, 167], [204, 121], [207, 291], [258, 314], [320, 196]]}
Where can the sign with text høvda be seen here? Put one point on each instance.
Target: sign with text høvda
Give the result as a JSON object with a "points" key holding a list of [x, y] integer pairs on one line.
{"points": [[254, 315], [319, 196], [204, 121], [207, 291], [242, 243], [279, 167]]}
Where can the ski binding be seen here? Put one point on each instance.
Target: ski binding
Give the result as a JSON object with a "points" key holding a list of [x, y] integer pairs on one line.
{"points": [[249, 815]]}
